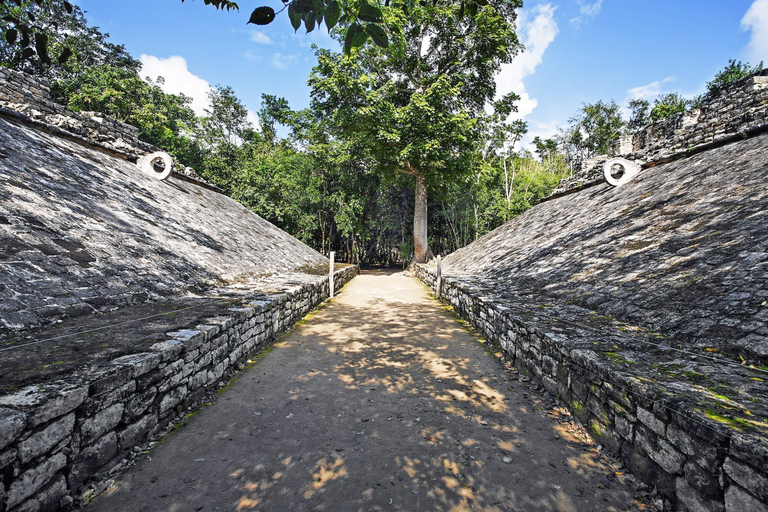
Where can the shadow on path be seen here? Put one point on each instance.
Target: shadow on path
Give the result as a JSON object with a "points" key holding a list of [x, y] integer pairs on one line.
{"points": [[379, 401]]}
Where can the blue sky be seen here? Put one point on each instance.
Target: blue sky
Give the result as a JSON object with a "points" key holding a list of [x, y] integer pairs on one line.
{"points": [[577, 51]]}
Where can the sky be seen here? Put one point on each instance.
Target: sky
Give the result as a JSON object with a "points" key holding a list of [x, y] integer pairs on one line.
{"points": [[576, 51]]}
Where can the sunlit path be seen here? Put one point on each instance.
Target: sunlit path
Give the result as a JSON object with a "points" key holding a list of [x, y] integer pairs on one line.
{"points": [[379, 401]]}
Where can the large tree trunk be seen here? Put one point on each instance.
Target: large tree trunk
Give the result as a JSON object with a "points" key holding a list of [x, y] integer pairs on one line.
{"points": [[420, 244]]}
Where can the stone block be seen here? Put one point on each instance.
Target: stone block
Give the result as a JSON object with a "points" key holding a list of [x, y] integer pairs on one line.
{"points": [[705, 482], [138, 404], [173, 398], [191, 338], [89, 460], [34, 479], [101, 423], [739, 500], [691, 501], [750, 448], [105, 378], [12, 423], [660, 451], [651, 421], [139, 364], [41, 442], [136, 433], [101, 402], [47, 499], [44, 402], [747, 477], [168, 350], [6, 458], [624, 427]]}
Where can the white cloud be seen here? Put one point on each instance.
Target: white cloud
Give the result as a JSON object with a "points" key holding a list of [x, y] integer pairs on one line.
{"points": [[283, 62], [756, 20], [253, 57], [260, 37], [648, 92], [537, 29], [587, 11], [178, 79]]}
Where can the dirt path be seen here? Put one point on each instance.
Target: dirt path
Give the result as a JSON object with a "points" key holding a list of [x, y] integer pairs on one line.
{"points": [[380, 401]]}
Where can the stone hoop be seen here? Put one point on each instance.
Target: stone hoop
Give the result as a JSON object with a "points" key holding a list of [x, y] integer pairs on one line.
{"points": [[148, 162], [630, 170]]}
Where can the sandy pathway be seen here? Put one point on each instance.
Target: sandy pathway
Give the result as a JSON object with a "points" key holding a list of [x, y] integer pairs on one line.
{"points": [[380, 401]]}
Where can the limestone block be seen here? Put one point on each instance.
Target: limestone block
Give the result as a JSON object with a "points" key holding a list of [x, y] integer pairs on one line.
{"points": [[704, 481], [651, 421], [747, 477], [41, 442], [173, 398], [139, 364], [136, 433], [33, 479], [44, 402], [7, 457], [138, 404], [121, 394], [191, 338], [750, 448], [101, 423], [105, 378], [12, 424], [691, 501], [47, 499], [738, 500], [168, 350], [660, 451], [92, 458]]}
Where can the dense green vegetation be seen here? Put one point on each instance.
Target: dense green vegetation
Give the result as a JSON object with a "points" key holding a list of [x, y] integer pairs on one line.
{"points": [[333, 182]]}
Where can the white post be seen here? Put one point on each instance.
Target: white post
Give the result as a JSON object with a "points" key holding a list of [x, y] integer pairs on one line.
{"points": [[330, 274], [439, 277]]}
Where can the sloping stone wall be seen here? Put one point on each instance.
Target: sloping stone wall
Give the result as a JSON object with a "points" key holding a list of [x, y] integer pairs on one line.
{"points": [[658, 429], [82, 231], [57, 438], [739, 110], [31, 97]]}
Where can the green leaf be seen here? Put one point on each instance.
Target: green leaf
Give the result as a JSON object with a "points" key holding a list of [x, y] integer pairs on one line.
{"points": [[11, 35], [356, 36], [27, 53], [332, 13], [368, 12], [68, 7], [309, 22], [294, 16], [262, 16], [378, 35]]}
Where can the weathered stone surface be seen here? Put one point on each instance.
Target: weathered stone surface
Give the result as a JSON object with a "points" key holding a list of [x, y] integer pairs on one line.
{"points": [[139, 363], [168, 350], [652, 422], [41, 442], [135, 434], [738, 500], [102, 422], [33, 479], [191, 338], [12, 423], [7, 457], [47, 499], [138, 404], [105, 378], [751, 449], [173, 398], [748, 478], [92, 458], [45, 402], [690, 501], [121, 394]]}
